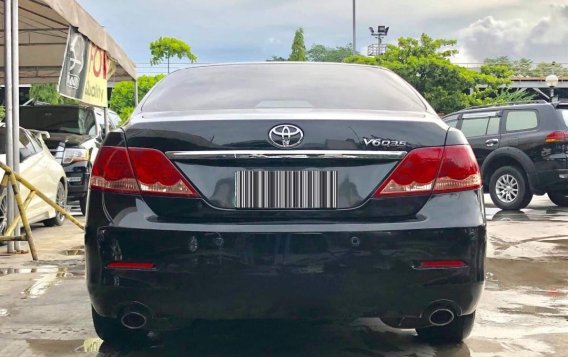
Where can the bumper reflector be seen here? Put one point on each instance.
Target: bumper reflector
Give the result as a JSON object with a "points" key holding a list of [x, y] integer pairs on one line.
{"points": [[130, 265], [442, 264]]}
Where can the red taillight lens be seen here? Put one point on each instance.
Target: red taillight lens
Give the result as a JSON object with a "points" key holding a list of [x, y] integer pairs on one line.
{"points": [[557, 137], [138, 170], [415, 174], [112, 171], [459, 171], [434, 169], [157, 175]]}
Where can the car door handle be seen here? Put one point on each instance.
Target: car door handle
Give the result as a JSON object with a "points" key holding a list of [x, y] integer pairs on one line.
{"points": [[491, 142]]}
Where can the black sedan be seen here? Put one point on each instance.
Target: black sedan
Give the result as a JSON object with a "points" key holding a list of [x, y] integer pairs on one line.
{"points": [[285, 191]]}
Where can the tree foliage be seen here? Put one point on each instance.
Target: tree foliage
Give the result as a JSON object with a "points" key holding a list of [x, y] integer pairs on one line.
{"points": [[48, 93], [525, 67], [122, 98], [425, 64], [165, 48], [321, 53], [298, 47]]}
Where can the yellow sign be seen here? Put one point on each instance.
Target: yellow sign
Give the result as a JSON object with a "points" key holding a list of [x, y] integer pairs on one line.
{"points": [[85, 71]]}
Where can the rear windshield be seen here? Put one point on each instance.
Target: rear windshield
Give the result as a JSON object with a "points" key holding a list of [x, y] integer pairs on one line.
{"points": [[264, 86], [58, 120]]}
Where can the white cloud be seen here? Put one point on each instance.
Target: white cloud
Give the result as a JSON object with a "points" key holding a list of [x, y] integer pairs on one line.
{"points": [[545, 39]]}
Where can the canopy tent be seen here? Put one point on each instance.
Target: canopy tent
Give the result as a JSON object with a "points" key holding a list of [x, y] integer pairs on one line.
{"points": [[43, 28], [33, 40]]}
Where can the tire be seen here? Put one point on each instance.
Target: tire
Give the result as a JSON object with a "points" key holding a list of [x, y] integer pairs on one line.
{"points": [[509, 188], [455, 332], [559, 198], [61, 199], [83, 205], [112, 332]]}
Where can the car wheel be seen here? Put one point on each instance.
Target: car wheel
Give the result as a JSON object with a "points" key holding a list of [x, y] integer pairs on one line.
{"points": [[83, 205], [61, 199], [559, 198], [111, 331], [509, 188], [454, 332]]}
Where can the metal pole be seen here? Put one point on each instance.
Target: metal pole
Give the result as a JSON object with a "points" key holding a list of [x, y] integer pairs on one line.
{"points": [[107, 125], [354, 27], [8, 103], [135, 93], [16, 99]]}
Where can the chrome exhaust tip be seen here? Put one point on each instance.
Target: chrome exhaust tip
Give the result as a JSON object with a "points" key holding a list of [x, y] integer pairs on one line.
{"points": [[441, 317], [133, 320]]}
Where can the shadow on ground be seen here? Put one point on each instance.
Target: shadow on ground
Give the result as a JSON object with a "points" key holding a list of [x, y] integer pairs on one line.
{"points": [[277, 338]]}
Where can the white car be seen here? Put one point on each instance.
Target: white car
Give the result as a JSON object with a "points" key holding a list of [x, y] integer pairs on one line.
{"points": [[40, 168]]}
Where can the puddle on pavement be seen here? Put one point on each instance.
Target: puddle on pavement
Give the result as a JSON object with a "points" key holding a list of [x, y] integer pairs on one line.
{"points": [[528, 214]]}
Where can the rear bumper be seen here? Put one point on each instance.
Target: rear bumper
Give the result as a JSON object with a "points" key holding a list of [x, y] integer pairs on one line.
{"points": [[287, 270], [554, 180]]}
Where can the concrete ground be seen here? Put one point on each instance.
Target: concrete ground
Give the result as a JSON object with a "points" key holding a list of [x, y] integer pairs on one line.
{"points": [[44, 307]]}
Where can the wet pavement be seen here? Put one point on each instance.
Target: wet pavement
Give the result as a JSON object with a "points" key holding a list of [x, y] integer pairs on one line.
{"points": [[44, 307]]}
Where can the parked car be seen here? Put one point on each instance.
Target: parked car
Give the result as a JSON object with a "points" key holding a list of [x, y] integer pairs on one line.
{"points": [[522, 149], [284, 191], [76, 133], [37, 166]]}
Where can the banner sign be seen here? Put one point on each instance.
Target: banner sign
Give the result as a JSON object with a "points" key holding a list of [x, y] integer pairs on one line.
{"points": [[85, 71]]}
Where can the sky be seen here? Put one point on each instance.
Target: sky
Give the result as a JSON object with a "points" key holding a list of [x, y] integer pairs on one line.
{"points": [[255, 30]]}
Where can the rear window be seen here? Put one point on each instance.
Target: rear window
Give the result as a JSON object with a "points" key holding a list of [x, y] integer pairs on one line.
{"points": [[57, 119], [274, 85]]}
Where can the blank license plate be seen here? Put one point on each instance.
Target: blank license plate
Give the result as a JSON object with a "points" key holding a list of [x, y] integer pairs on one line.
{"points": [[286, 189]]}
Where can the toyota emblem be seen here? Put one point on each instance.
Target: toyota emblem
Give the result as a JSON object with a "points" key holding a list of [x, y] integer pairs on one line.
{"points": [[286, 136]]}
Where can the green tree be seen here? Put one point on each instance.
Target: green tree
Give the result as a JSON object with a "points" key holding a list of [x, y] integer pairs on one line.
{"points": [[122, 98], [321, 53], [165, 48], [2, 112], [276, 59], [543, 69], [298, 47], [48, 93], [425, 64]]}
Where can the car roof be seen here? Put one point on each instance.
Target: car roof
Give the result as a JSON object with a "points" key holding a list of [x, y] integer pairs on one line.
{"points": [[517, 105]]}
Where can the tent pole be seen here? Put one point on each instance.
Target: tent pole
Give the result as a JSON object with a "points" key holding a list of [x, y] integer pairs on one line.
{"points": [[8, 106], [16, 99], [107, 125]]}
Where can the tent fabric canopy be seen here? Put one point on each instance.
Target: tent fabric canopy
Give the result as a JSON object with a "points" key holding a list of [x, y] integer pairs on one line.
{"points": [[43, 33]]}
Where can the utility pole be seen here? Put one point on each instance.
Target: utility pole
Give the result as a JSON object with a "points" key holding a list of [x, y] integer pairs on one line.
{"points": [[354, 27]]}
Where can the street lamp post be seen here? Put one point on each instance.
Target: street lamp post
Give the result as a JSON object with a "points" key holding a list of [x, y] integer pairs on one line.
{"points": [[354, 27], [552, 82]]}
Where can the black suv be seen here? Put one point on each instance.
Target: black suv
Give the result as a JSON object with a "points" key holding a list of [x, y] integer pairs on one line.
{"points": [[75, 135], [522, 149]]}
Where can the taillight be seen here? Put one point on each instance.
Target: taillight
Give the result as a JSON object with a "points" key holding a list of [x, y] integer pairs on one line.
{"points": [[112, 171], [433, 169], [557, 137], [138, 170]]}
